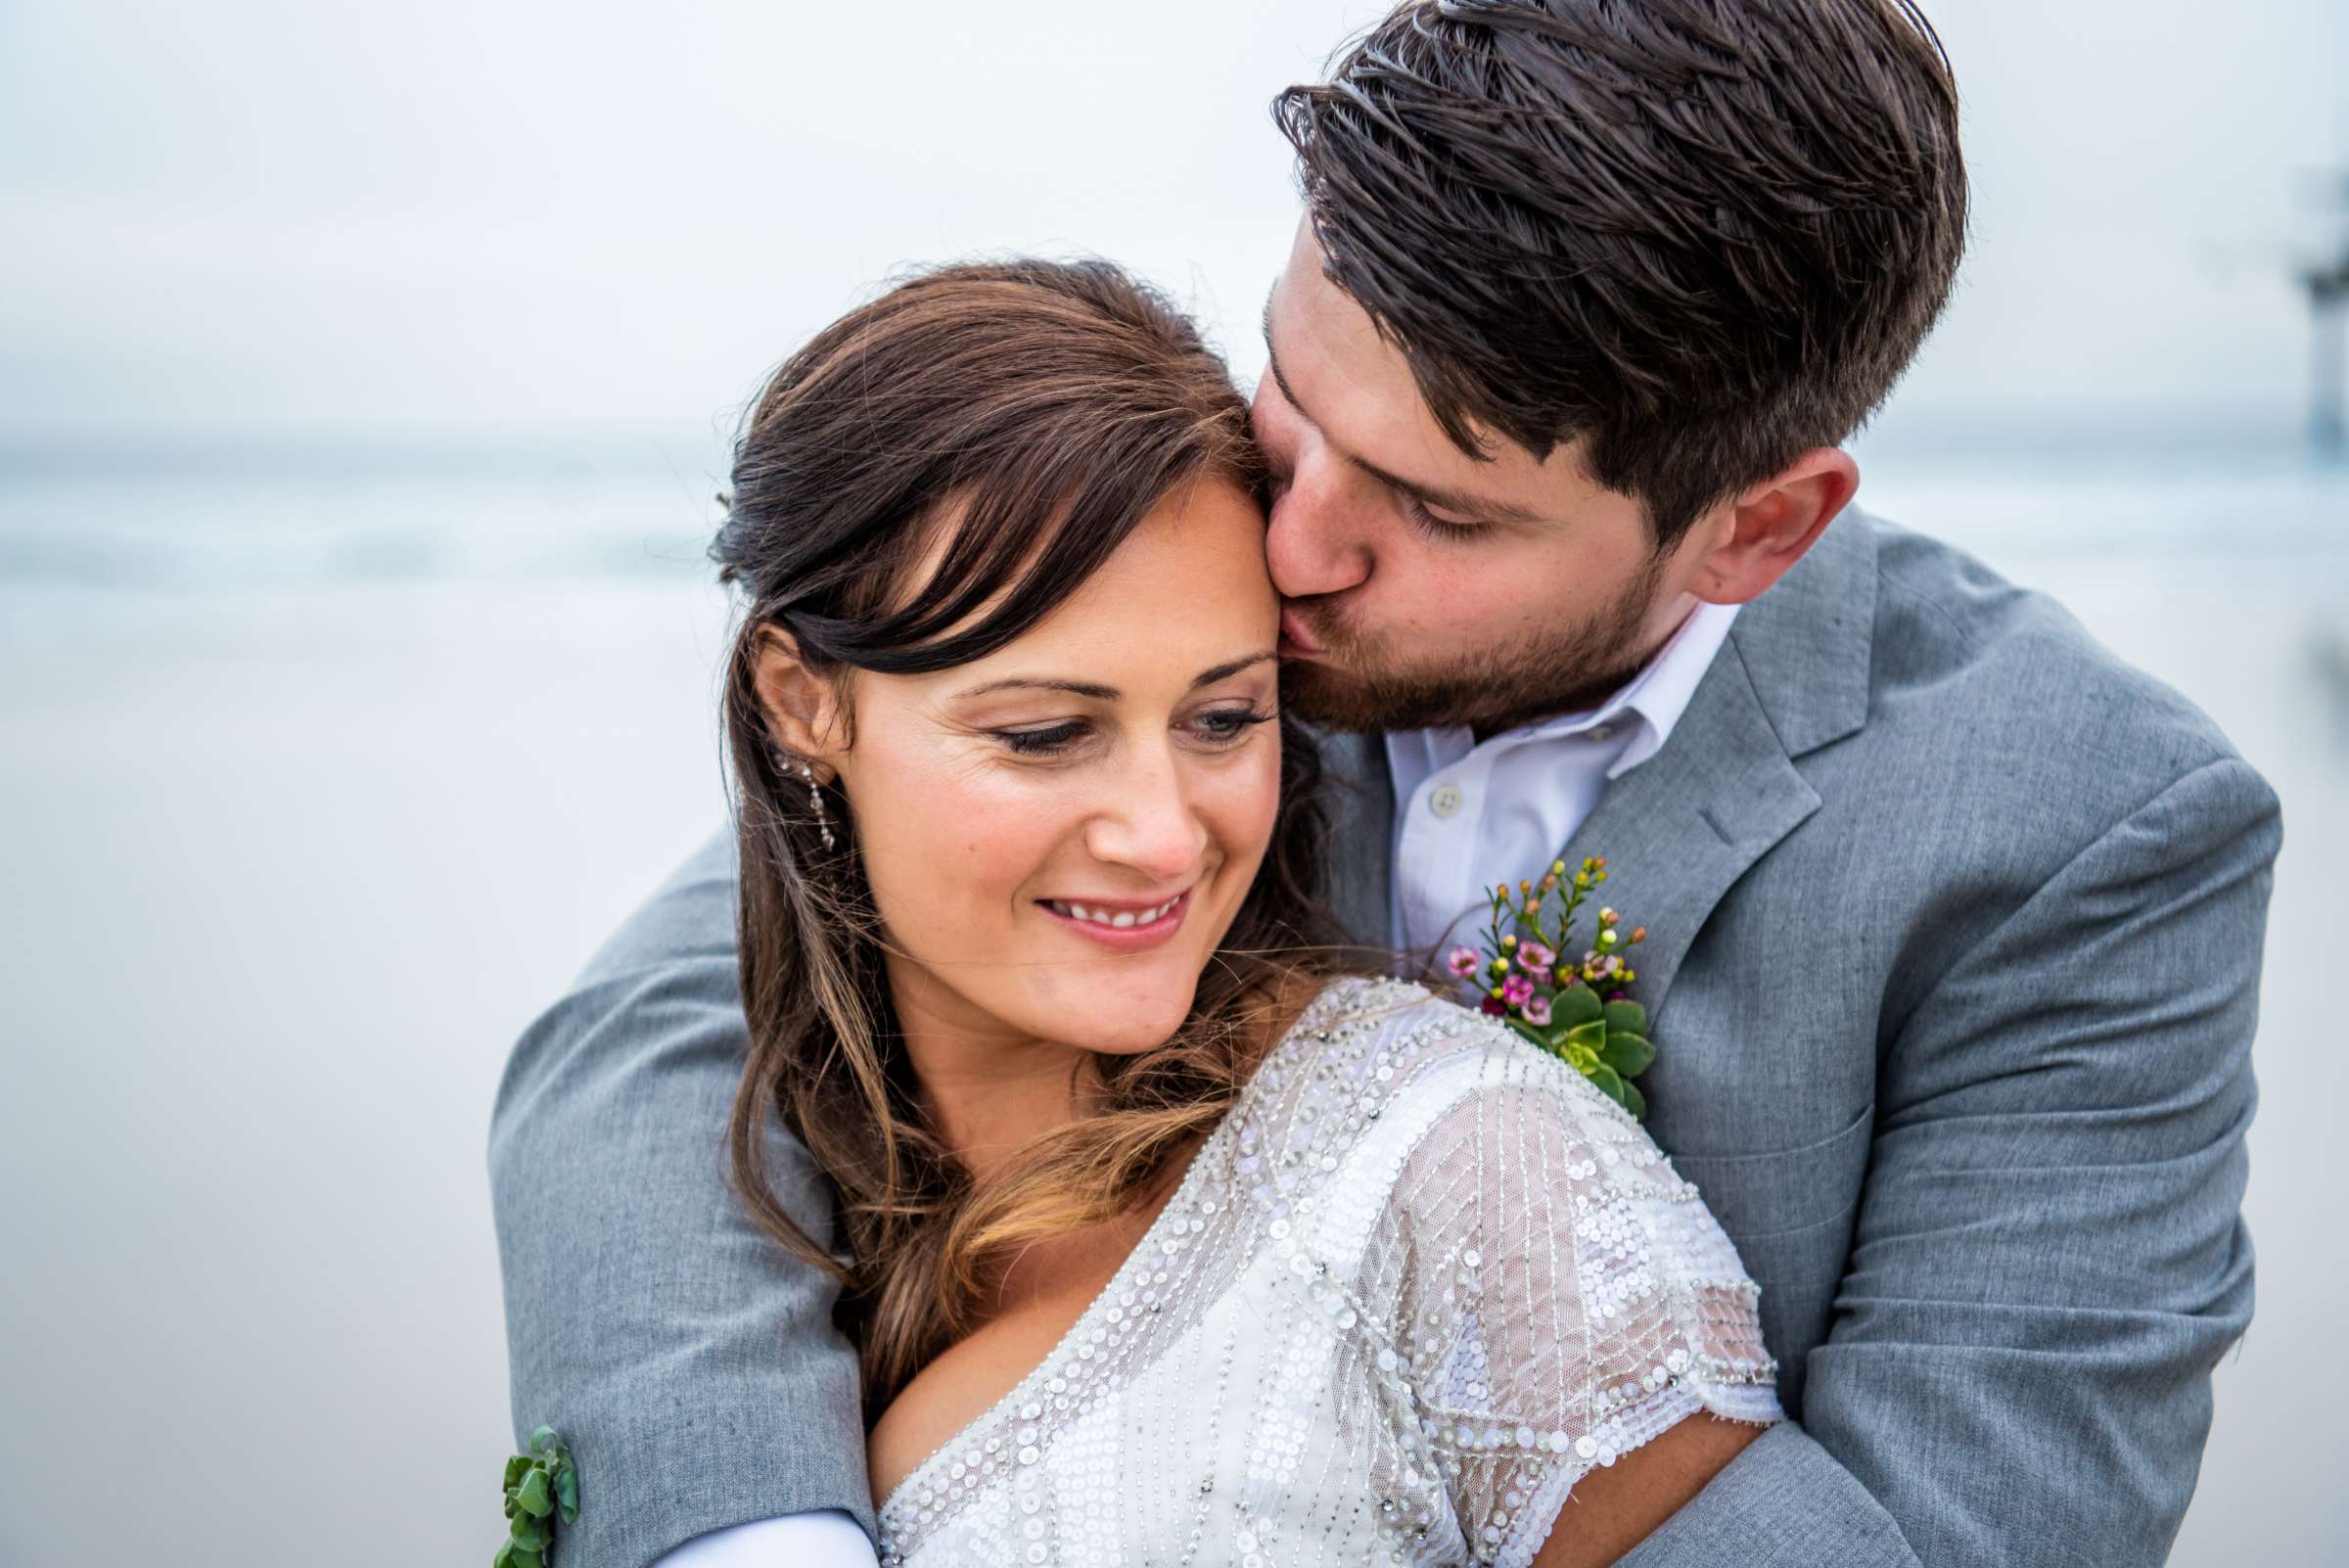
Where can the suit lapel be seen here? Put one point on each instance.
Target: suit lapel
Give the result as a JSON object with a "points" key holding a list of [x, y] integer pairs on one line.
{"points": [[1680, 829], [1685, 825]]}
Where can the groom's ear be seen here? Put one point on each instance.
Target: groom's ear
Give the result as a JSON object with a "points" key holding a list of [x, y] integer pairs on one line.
{"points": [[802, 707], [1766, 528]]}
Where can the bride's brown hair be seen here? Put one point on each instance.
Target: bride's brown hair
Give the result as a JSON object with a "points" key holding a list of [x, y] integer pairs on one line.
{"points": [[1038, 411]]}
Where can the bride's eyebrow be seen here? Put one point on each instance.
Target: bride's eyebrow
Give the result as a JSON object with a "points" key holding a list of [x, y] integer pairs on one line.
{"points": [[1109, 694], [1231, 667]]}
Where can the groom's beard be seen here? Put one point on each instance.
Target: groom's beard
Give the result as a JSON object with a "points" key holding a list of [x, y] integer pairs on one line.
{"points": [[1363, 683]]}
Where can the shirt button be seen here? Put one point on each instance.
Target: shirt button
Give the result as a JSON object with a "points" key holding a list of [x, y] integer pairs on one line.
{"points": [[1445, 800]]}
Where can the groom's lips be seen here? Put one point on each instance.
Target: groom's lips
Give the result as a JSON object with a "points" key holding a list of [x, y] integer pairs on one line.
{"points": [[1295, 641]]}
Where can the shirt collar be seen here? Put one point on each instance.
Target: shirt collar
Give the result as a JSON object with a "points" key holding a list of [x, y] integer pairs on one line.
{"points": [[1661, 693]]}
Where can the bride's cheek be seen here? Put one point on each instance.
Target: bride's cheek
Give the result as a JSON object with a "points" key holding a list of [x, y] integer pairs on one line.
{"points": [[995, 836], [1246, 807], [948, 845], [1265, 794]]}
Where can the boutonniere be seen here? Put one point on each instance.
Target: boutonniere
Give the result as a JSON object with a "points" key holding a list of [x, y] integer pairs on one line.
{"points": [[541, 1485], [1579, 1010]]}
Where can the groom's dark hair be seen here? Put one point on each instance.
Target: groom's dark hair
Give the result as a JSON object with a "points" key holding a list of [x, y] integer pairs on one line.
{"points": [[1700, 236]]}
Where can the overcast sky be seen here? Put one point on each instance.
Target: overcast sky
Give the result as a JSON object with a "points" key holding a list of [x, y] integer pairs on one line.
{"points": [[263, 217]]}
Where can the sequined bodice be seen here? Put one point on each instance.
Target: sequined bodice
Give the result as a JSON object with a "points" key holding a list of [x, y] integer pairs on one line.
{"points": [[1419, 1280]]}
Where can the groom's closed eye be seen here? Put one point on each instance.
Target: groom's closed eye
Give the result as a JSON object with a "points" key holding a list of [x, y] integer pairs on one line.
{"points": [[1415, 512], [1418, 503]]}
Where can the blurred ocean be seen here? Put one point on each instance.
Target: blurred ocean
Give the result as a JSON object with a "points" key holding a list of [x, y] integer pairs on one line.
{"points": [[639, 505], [322, 770]]}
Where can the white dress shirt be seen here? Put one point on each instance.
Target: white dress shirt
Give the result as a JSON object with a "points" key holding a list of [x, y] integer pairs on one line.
{"points": [[1467, 816], [826, 1540]]}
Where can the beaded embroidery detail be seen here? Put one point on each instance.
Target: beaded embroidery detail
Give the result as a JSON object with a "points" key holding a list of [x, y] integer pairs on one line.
{"points": [[1418, 1282]]}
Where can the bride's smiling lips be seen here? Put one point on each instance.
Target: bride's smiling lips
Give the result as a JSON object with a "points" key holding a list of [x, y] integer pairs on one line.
{"points": [[1146, 923]]}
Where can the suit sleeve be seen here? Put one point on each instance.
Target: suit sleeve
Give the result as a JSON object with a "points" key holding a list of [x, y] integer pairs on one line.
{"points": [[2051, 1255], [686, 1357]]}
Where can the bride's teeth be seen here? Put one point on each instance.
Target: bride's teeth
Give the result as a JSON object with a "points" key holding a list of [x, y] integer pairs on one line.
{"points": [[1121, 921]]}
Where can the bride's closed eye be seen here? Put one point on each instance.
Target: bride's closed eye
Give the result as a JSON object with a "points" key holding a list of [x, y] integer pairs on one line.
{"points": [[1051, 740], [1215, 729]]}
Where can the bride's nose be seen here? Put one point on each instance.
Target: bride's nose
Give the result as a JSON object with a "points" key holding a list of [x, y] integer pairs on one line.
{"points": [[1148, 821]]}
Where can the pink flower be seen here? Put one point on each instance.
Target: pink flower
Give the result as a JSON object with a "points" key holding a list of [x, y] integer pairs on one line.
{"points": [[1537, 1010], [1536, 959], [1495, 1007], [1465, 962], [1516, 990]]}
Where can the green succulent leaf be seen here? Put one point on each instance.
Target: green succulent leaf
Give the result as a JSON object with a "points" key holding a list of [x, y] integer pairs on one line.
{"points": [[1628, 1054], [1635, 1102], [1625, 1018], [1609, 1084], [1591, 1037], [538, 1484], [1576, 1005]]}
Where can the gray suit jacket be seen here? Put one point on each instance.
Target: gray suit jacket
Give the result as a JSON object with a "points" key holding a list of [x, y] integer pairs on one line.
{"points": [[1956, 935]]}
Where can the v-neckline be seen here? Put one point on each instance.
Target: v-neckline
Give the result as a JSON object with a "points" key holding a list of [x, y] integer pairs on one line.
{"points": [[1135, 1262]]}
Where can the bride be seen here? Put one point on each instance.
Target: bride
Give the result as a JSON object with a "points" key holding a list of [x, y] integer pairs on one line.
{"points": [[1166, 1240]]}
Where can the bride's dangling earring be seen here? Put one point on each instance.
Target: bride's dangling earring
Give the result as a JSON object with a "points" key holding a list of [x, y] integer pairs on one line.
{"points": [[816, 798]]}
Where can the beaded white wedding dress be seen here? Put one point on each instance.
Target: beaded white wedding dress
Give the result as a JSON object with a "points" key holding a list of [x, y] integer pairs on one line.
{"points": [[1419, 1280]]}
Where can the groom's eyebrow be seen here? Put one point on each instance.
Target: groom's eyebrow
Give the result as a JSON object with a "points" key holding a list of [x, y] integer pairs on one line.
{"points": [[1110, 694], [1430, 496]]}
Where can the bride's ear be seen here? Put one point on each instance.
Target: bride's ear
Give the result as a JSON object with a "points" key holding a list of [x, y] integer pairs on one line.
{"points": [[802, 707]]}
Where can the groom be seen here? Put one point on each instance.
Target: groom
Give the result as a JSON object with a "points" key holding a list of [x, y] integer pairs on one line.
{"points": [[1955, 920]]}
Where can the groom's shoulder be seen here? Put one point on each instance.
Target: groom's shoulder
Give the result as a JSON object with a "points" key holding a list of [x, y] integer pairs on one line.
{"points": [[661, 998], [689, 918], [2002, 685]]}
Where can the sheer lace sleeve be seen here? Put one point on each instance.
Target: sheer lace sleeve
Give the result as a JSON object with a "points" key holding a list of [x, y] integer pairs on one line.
{"points": [[1553, 1295]]}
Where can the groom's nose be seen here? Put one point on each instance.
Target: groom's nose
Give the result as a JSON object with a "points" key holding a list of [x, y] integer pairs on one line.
{"points": [[1315, 544]]}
